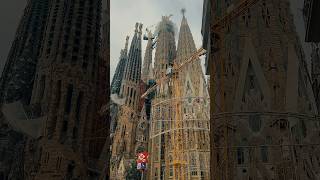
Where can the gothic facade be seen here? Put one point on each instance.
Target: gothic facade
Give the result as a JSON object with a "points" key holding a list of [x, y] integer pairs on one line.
{"points": [[262, 105]]}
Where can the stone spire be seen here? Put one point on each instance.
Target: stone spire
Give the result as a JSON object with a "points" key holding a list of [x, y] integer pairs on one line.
{"points": [[118, 75], [132, 73], [166, 47], [124, 139], [186, 45], [133, 66], [147, 68]]}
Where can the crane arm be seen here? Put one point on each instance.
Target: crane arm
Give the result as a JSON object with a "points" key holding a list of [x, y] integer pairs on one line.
{"points": [[192, 58]]}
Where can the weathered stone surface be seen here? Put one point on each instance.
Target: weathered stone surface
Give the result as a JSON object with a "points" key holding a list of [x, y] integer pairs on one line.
{"points": [[262, 105]]}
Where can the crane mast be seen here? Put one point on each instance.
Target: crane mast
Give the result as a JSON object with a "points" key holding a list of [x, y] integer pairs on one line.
{"points": [[177, 138]]}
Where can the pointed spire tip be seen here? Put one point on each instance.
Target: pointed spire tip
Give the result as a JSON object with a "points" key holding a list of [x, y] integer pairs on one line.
{"points": [[183, 11]]}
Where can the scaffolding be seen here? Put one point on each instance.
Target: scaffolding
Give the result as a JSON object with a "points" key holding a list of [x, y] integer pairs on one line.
{"points": [[186, 138], [179, 129]]}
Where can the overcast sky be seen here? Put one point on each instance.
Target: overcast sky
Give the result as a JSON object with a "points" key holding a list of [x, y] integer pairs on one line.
{"points": [[125, 13]]}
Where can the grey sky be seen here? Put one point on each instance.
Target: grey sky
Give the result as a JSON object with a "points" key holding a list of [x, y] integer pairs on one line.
{"points": [[125, 13], [10, 15]]}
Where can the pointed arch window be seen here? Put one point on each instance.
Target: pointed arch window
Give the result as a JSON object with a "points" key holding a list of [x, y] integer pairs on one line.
{"points": [[264, 154]]}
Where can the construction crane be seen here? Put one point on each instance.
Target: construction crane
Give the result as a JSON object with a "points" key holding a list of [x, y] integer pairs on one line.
{"points": [[174, 69], [177, 138], [218, 27]]}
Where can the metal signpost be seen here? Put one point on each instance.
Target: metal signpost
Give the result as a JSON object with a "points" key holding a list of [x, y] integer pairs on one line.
{"points": [[142, 163]]}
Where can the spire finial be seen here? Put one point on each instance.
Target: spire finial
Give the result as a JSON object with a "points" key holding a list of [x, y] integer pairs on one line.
{"points": [[127, 41], [137, 26], [183, 10]]}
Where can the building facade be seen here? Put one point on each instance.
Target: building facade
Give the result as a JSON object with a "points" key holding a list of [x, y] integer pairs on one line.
{"points": [[262, 107], [16, 86], [65, 89], [98, 154]]}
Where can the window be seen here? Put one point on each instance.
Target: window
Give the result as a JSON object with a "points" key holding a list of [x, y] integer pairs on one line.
{"points": [[64, 126], [264, 154], [193, 165], [155, 172], [58, 163], [46, 160], [240, 156], [78, 107], [68, 99], [283, 124], [171, 170], [266, 14]]}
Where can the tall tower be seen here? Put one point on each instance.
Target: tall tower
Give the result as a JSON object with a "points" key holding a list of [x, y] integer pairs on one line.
{"points": [[166, 47], [104, 164], [164, 57], [16, 84], [99, 139], [116, 85], [262, 105], [195, 129], [142, 131], [65, 88], [195, 107], [19, 71], [123, 148], [118, 75], [147, 63]]}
